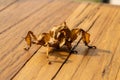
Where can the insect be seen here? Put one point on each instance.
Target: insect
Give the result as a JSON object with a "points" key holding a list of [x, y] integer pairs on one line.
{"points": [[58, 37]]}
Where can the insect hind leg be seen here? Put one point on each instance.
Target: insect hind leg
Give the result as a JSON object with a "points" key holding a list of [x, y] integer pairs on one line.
{"points": [[86, 44]]}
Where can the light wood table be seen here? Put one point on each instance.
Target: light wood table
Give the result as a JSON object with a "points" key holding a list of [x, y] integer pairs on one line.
{"points": [[102, 21]]}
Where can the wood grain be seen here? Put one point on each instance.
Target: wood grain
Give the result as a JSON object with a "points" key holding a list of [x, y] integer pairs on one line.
{"points": [[13, 57], [102, 21], [4, 4]]}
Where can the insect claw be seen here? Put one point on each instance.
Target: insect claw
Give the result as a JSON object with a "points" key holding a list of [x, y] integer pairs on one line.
{"points": [[73, 51], [94, 47], [33, 42], [49, 63], [26, 49], [47, 57]]}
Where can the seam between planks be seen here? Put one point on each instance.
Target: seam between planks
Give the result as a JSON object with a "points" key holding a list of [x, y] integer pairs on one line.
{"points": [[25, 63], [83, 10], [110, 62], [84, 18], [117, 73], [8, 5], [87, 50]]}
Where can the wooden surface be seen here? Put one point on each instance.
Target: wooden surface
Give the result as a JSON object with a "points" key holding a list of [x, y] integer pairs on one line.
{"points": [[102, 21]]}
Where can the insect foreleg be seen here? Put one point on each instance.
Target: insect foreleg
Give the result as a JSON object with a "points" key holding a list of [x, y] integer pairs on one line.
{"points": [[30, 36]]}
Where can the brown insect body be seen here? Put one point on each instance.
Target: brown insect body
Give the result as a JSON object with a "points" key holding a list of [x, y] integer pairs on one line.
{"points": [[58, 37]]}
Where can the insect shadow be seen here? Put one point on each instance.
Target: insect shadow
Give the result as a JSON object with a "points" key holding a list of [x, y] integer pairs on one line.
{"points": [[82, 50], [61, 53]]}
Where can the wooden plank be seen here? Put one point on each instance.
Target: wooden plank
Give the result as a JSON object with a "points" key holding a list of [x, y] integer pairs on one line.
{"points": [[13, 57], [39, 64], [102, 63]]}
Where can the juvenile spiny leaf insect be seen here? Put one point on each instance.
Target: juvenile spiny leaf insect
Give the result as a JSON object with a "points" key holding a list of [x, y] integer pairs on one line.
{"points": [[58, 37]]}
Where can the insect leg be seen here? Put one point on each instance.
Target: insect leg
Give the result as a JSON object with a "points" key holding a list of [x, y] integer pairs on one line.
{"points": [[48, 51], [86, 39], [86, 44], [28, 39]]}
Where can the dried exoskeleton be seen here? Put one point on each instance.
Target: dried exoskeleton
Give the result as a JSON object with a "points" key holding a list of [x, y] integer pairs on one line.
{"points": [[58, 37]]}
